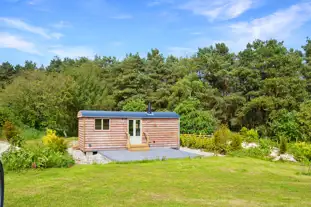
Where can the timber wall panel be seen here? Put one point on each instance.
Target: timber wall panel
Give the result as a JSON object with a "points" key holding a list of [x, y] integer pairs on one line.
{"points": [[114, 138], [162, 132]]}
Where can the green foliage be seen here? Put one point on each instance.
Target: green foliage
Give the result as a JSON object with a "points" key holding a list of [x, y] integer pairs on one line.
{"points": [[256, 152], [249, 135], [283, 145], [285, 124], [194, 121], [135, 105], [17, 160], [266, 87], [197, 141], [221, 139], [5, 115], [301, 151], [17, 140], [53, 142], [31, 133], [37, 157], [235, 142], [304, 119], [261, 152]]}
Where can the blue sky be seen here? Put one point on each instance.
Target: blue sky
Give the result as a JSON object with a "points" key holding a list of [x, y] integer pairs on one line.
{"points": [[38, 30]]}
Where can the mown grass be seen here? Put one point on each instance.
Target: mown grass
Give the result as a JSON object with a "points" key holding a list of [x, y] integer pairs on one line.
{"points": [[215, 181]]}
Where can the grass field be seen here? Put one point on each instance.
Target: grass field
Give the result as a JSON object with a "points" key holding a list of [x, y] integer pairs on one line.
{"points": [[216, 181]]}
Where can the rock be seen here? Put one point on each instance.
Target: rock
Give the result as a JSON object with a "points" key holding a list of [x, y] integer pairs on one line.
{"points": [[4, 146], [81, 158], [274, 152], [246, 145], [286, 157]]}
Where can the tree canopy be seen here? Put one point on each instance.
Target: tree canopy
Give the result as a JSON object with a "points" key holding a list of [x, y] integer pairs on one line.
{"points": [[265, 86]]}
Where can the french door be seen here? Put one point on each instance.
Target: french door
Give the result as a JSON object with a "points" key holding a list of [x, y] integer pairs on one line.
{"points": [[134, 130]]}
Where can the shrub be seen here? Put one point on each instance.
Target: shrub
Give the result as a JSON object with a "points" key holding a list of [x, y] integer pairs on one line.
{"points": [[196, 141], [249, 135], [236, 142], [223, 141], [17, 140], [52, 141], [9, 130], [267, 144], [285, 124], [260, 152], [301, 151], [283, 145], [37, 157], [17, 160], [221, 138]]}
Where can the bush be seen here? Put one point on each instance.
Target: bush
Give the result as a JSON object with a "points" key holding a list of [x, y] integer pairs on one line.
{"points": [[249, 135], [196, 141], [17, 160], [236, 142], [301, 151], [261, 152], [221, 139], [52, 141], [9, 130], [38, 157], [283, 145], [17, 140]]}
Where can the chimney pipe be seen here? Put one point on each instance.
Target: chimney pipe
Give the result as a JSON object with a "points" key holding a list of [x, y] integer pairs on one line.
{"points": [[149, 108]]}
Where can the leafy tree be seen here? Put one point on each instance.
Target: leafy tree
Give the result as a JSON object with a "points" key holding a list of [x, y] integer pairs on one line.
{"points": [[194, 120], [134, 105]]}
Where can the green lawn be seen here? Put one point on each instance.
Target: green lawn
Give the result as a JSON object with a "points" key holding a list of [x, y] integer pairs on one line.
{"points": [[216, 181]]}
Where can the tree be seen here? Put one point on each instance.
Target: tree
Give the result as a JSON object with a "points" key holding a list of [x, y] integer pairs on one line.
{"points": [[193, 120], [135, 105]]}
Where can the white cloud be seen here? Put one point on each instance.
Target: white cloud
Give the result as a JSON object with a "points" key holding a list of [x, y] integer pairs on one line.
{"points": [[220, 9], [21, 25], [61, 24], [72, 52], [122, 16], [181, 51], [14, 42], [279, 25]]}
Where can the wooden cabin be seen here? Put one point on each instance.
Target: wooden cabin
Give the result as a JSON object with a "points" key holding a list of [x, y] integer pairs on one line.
{"points": [[111, 130]]}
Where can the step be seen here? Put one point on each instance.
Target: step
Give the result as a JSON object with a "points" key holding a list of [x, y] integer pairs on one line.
{"points": [[139, 145], [139, 149]]}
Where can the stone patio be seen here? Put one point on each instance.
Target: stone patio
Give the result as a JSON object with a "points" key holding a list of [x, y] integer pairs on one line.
{"points": [[152, 154]]}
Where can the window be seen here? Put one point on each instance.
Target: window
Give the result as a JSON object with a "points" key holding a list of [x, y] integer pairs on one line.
{"points": [[98, 124], [105, 124], [102, 124]]}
